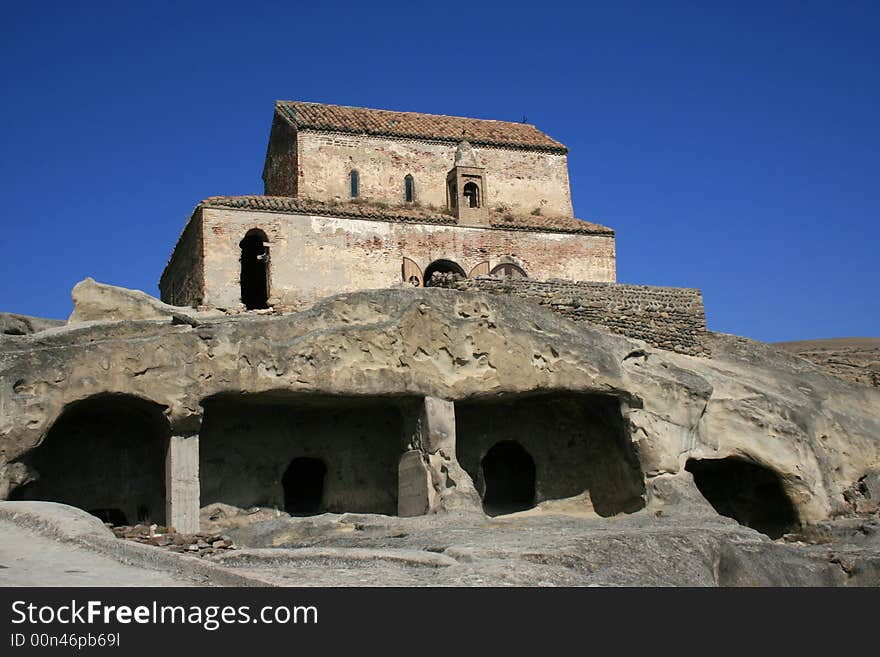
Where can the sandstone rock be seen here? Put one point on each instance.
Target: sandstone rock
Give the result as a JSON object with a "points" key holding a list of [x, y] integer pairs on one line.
{"points": [[13, 324], [93, 301], [749, 401]]}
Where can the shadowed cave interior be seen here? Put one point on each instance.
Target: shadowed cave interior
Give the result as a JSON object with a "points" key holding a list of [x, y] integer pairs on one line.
{"points": [[523, 450], [105, 455], [305, 454], [749, 493]]}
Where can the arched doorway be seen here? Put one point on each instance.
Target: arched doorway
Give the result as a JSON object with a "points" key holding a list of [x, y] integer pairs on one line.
{"points": [[303, 483], [254, 270], [749, 493], [442, 267], [509, 477], [508, 270], [105, 455]]}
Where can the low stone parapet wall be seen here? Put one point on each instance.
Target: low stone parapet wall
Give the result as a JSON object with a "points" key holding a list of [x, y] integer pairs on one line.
{"points": [[670, 318]]}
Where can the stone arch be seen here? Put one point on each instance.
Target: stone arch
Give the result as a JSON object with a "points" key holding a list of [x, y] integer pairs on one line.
{"points": [[509, 478], [254, 276], [442, 267], [106, 455], [750, 493]]}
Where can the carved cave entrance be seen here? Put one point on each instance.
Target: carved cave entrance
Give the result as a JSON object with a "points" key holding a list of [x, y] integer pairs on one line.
{"points": [[255, 270], [105, 455], [749, 493], [523, 450], [303, 484], [442, 267], [509, 478], [304, 454]]}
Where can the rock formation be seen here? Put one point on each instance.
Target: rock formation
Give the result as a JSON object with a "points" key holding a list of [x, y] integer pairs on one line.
{"points": [[424, 384]]}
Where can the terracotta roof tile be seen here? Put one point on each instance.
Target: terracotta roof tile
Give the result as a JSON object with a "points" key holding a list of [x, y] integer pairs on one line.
{"points": [[434, 127], [402, 214]]}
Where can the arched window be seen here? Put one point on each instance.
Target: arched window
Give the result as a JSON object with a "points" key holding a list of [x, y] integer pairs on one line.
{"points": [[472, 195], [508, 270], [442, 267], [409, 189], [355, 181], [254, 270]]}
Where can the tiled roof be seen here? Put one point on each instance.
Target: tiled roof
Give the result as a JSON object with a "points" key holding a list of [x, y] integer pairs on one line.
{"points": [[434, 127], [401, 214]]}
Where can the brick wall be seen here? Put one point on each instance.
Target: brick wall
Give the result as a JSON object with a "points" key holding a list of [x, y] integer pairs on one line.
{"points": [[183, 281], [670, 318], [518, 181], [315, 256]]}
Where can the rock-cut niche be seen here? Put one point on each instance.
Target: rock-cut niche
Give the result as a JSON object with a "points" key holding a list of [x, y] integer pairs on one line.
{"points": [[523, 450]]}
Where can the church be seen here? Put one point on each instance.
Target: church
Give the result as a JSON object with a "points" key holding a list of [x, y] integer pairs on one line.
{"points": [[358, 198]]}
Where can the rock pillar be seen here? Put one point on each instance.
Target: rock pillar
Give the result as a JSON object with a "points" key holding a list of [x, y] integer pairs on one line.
{"points": [[182, 484], [429, 476]]}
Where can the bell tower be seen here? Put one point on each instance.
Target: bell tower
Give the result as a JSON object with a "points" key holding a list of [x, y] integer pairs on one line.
{"points": [[466, 188]]}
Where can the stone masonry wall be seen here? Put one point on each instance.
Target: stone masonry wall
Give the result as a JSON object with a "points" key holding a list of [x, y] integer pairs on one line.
{"points": [[315, 256], [665, 317], [516, 180], [183, 281]]}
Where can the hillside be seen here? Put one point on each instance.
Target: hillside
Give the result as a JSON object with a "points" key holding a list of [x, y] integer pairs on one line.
{"points": [[855, 360]]}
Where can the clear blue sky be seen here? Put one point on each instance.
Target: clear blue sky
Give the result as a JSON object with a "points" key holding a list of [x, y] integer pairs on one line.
{"points": [[733, 146]]}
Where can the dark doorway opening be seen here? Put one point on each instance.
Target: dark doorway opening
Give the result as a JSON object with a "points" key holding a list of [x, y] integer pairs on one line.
{"points": [[254, 270], [749, 493], [303, 483], [442, 267], [105, 455], [509, 476]]}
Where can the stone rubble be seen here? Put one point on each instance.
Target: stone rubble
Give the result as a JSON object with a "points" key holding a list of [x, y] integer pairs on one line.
{"points": [[201, 544]]}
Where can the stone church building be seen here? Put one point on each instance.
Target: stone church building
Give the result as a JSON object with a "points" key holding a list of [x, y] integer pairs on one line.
{"points": [[360, 198]]}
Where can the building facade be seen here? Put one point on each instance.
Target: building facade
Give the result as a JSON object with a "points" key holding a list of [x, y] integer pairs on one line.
{"points": [[359, 198]]}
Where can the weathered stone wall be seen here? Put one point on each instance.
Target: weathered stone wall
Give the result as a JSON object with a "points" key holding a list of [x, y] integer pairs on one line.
{"points": [[316, 256], [516, 180], [670, 318], [183, 281]]}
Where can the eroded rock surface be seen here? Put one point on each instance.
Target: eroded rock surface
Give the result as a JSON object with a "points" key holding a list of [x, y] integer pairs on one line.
{"points": [[368, 360]]}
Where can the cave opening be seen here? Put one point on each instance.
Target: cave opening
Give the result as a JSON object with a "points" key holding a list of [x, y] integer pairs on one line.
{"points": [[303, 484], [576, 443], [509, 476], [305, 454], [105, 455], [751, 494]]}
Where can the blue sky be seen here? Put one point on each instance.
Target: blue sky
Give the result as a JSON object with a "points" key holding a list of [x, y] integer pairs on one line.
{"points": [[734, 147]]}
